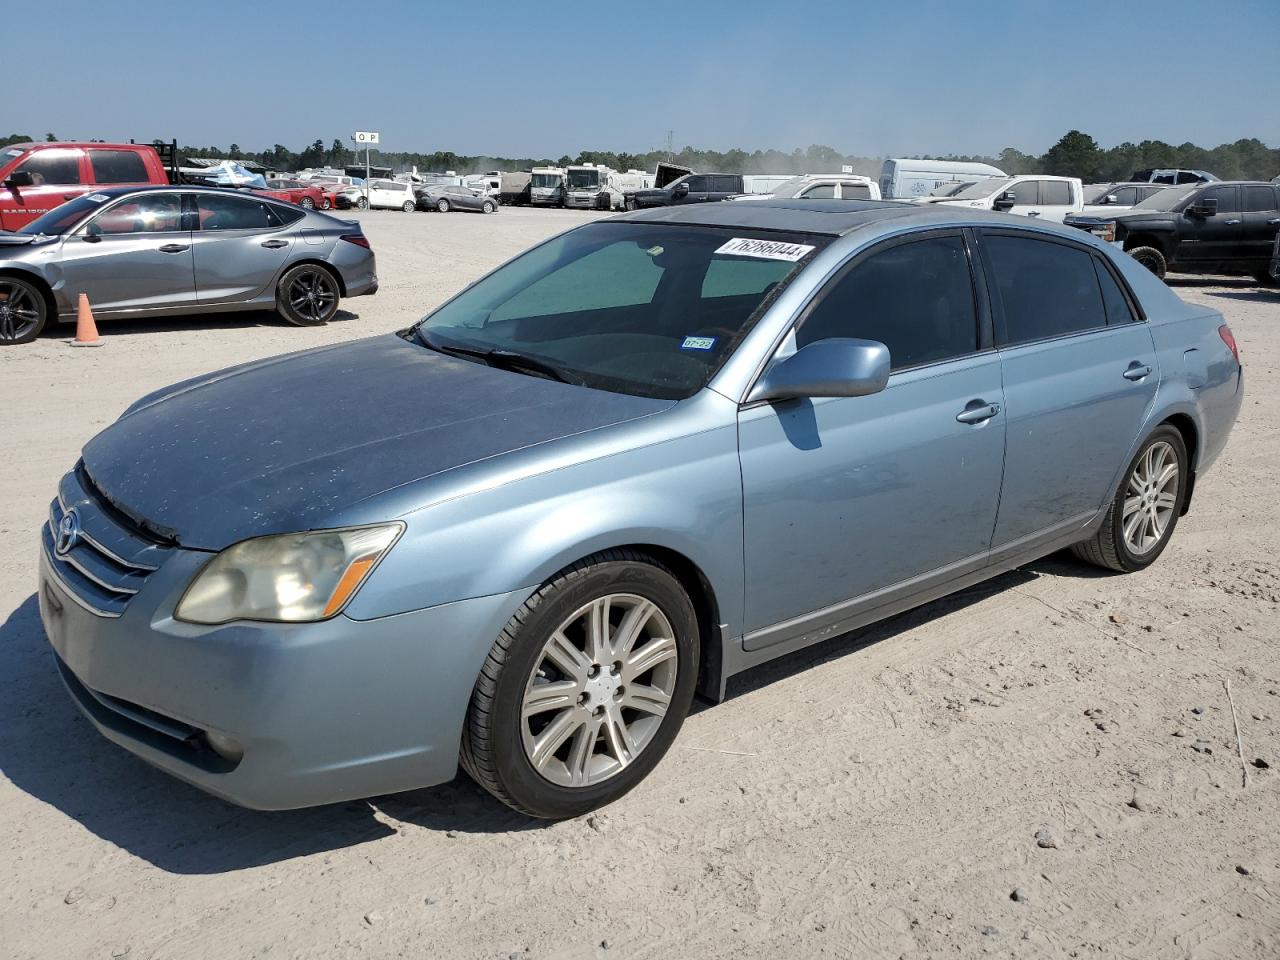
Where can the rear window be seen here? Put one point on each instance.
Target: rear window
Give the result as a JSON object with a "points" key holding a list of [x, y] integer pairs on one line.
{"points": [[1259, 199], [242, 213], [117, 166], [1047, 289]]}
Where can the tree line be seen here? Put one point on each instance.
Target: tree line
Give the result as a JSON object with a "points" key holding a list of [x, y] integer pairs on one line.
{"points": [[1076, 154]]}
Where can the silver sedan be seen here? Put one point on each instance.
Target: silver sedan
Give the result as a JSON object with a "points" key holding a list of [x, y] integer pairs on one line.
{"points": [[158, 251]]}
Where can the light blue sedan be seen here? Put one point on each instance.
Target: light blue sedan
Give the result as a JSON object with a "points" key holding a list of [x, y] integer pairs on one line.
{"points": [[640, 458]]}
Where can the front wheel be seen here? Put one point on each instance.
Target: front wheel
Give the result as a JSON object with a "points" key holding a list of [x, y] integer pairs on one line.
{"points": [[442, 205], [488, 207], [23, 311], [1145, 510], [585, 689], [363, 203], [1151, 258], [307, 296], [307, 203], [408, 206]]}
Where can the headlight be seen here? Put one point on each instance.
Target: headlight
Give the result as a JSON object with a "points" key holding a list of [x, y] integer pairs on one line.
{"points": [[291, 578]]}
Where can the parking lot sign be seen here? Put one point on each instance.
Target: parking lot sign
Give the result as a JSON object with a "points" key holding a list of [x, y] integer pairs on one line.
{"points": [[366, 138]]}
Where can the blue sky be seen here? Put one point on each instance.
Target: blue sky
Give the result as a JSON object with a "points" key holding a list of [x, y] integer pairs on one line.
{"points": [[534, 79]]}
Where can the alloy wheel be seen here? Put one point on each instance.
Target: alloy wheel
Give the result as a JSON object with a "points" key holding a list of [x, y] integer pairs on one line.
{"points": [[599, 690], [1150, 498], [312, 294], [20, 312]]}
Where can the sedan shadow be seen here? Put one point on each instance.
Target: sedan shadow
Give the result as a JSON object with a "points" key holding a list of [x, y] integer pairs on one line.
{"points": [[50, 751], [232, 320]]}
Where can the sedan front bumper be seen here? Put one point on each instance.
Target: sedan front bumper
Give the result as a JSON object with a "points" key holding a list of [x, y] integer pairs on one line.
{"points": [[323, 712]]}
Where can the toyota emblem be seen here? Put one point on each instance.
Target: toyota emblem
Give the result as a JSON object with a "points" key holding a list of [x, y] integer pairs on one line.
{"points": [[68, 533]]}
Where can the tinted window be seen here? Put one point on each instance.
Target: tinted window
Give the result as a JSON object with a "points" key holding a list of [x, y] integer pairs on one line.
{"points": [[1257, 199], [697, 184], [916, 298], [726, 184], [823, 191], [1126, 196], [1186, 177], [236, 213], [738, 276], [1055, 193], [53, 167], [118, 166], [855, 191], [1024, 193], [146, 213], [1227, 197], [1113, 297], [1048, 289]]}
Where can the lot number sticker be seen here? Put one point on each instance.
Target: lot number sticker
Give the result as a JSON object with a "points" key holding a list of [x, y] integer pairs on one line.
{"points": [[765, 249]]}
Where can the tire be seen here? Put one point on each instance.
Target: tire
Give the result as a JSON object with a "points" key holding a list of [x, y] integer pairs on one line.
{"points": [[584, 724], [23, 311], [307, 295], [1265, 279], [442, 205], [307, 203], [327, 205], [1151, 258], [1111, 547], [362, 203], [408, 206], [488, 207]]}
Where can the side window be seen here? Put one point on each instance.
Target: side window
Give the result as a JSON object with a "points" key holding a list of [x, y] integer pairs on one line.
{"points": [[236, 213], [1025, 193], [1048, 289], [916, 298], [1126, 196], [117, 166], [1113, 298], [821, 191], [52, 167], [1055, 193], [568, 290], [1185, 176], [855, 191], [146, 213], [1146, 192], [1259, 199], [1227, 197], [697, 184]]}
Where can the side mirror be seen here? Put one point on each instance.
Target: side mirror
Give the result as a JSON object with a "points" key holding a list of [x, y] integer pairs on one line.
{"points": [[681, 190], [1005, 201], [19, 178], [836, 367], [1205, 208], [1110, 198]]}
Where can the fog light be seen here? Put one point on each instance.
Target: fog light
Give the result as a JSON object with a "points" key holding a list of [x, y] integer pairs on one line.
{"points": [[224, 746]]}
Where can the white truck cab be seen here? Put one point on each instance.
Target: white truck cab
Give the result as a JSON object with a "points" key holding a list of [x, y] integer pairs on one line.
{"points": [[1034, 195], [822, 186]]}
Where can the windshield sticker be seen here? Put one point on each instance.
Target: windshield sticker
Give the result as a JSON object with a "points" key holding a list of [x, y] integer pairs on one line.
{"points": [[654, 250], [97, 197], [698, 343], [765, 249]]}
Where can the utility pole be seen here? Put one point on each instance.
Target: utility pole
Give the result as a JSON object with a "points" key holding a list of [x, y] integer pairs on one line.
{"points": [[670, 152]]}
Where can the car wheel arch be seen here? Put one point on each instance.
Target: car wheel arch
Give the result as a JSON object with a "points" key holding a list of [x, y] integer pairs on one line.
{"points": [[313, 262], [1186, 426], [41, 284], [1160, 241]]}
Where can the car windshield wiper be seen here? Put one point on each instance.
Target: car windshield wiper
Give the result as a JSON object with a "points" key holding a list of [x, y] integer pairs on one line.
{"points": [[500, 358]]}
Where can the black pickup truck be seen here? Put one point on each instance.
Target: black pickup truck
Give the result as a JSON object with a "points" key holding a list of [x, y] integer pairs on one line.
{"points": [[1220, 227], [691, 188]]}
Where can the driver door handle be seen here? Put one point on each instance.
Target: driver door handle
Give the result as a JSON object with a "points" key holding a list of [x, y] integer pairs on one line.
{"points": [[1137, 371], [175, 247], [978, 411], [275, 244], [1033, 213], [1230, 223]]}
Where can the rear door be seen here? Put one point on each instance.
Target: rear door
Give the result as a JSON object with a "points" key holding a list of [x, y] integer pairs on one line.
{"points": [[241, 244], [1055, 200], [1080, 373], [58, 174], [1261, 220], [134, 255]]}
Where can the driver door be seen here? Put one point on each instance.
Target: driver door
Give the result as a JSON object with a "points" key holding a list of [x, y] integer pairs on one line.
{"points": [[134, 255]]}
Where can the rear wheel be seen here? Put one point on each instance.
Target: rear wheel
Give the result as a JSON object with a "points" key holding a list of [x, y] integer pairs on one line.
{"points": [[585, 688], [23, 311], [488, 207], [1265, 278], [307, 202], [363, 203], [408, 206], [1151, 258], [1145, 510], [442, 205], [307, 296]]}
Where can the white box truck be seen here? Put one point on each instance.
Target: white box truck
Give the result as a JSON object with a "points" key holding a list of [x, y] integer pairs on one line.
{"points": [[902, 179]]}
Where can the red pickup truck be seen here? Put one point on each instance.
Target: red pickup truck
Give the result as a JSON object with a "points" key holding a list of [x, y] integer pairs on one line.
{"points": [[36, 177]]}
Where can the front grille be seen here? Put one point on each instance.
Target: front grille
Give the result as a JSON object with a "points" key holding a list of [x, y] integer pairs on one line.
{"points": [[109, 560]]}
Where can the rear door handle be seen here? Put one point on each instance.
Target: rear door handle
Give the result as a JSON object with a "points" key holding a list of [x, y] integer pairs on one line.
{"points": [[275, 244], [1033, 213], [978, 411], [1231, 223], [1137, 371], [175, 247], [1273, 221]]}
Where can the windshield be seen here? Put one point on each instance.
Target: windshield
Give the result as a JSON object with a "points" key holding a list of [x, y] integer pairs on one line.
{"points": [[546, 180], [983, 188], [584, 179], [646, 309], [1167, 199], [61, 219]]}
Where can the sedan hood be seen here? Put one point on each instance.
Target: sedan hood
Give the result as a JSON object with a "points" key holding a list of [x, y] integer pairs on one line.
{"points": [[15, 239], [291, 443]]}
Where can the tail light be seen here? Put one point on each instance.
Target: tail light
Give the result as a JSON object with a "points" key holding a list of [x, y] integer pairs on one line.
{"points": [[1108, 232], [1229, 339], [359, 239]]}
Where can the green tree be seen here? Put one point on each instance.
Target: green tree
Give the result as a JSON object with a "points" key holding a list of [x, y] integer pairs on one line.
{"points": [[1075, 155]]}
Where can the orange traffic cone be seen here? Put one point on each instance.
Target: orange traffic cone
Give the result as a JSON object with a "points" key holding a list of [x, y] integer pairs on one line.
{"points": [[86, 329]]}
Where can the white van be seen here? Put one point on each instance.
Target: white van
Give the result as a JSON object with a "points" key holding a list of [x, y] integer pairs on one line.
{"points": [[1034, 195], [907, 179], [391, 195]]}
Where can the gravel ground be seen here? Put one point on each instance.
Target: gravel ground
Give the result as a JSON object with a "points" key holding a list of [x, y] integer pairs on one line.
{"points": [[1044, 765]]}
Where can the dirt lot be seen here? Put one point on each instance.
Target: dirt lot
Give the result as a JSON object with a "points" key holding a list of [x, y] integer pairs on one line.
{"points": [[880, 795]]}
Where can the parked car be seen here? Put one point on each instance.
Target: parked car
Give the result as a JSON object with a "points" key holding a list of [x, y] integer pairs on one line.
{"points": [[1172, 176], [645, 456], [1049, 198], [158, 251], [349, 197], [390, 195], [822, 186], [36, 177], [304, 194], [445, 197], [1213, 227], [1113, 197], [691, 188]]}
